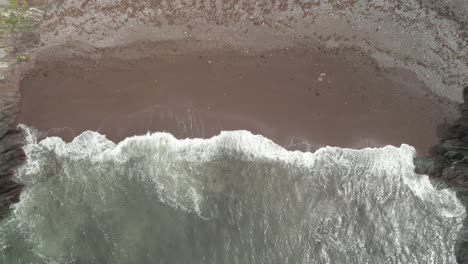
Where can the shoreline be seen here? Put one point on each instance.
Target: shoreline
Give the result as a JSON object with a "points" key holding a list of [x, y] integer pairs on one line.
{"points": [[301, 97]]}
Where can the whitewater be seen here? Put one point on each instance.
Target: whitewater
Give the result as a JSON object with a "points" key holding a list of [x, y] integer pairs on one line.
{"points": [[233, 198]]}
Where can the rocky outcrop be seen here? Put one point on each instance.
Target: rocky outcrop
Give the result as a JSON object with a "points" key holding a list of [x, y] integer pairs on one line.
{"points": [[448, 160], [11, 152], [18, 38]]}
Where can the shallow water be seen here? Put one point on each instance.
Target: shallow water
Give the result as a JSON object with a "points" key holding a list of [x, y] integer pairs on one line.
{"points": [[234, 198]]}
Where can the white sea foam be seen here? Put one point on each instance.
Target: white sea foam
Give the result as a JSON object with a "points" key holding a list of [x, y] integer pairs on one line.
{"points": [[239, 195]]}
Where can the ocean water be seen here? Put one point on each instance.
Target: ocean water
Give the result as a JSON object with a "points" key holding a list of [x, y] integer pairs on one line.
{"points": [[234, 198]]}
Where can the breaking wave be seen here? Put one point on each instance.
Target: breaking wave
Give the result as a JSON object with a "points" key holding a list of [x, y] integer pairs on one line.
{"points": [[233, 198]]}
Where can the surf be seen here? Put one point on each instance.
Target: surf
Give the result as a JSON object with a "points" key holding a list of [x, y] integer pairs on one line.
{"points": [[233, 198]]}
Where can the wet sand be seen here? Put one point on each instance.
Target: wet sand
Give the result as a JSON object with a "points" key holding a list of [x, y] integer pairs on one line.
{"points": [[302, 97]]}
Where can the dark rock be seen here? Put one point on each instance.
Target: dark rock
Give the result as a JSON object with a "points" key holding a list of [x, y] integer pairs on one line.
{"points": [[454, 156], [464, 139], [448, 145], [433, 166], [449, 158], [11, 153], [455, 171], [448, 162]]}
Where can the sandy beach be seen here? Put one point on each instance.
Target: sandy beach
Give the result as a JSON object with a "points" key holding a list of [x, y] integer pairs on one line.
{"points": [[302, 98]]}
